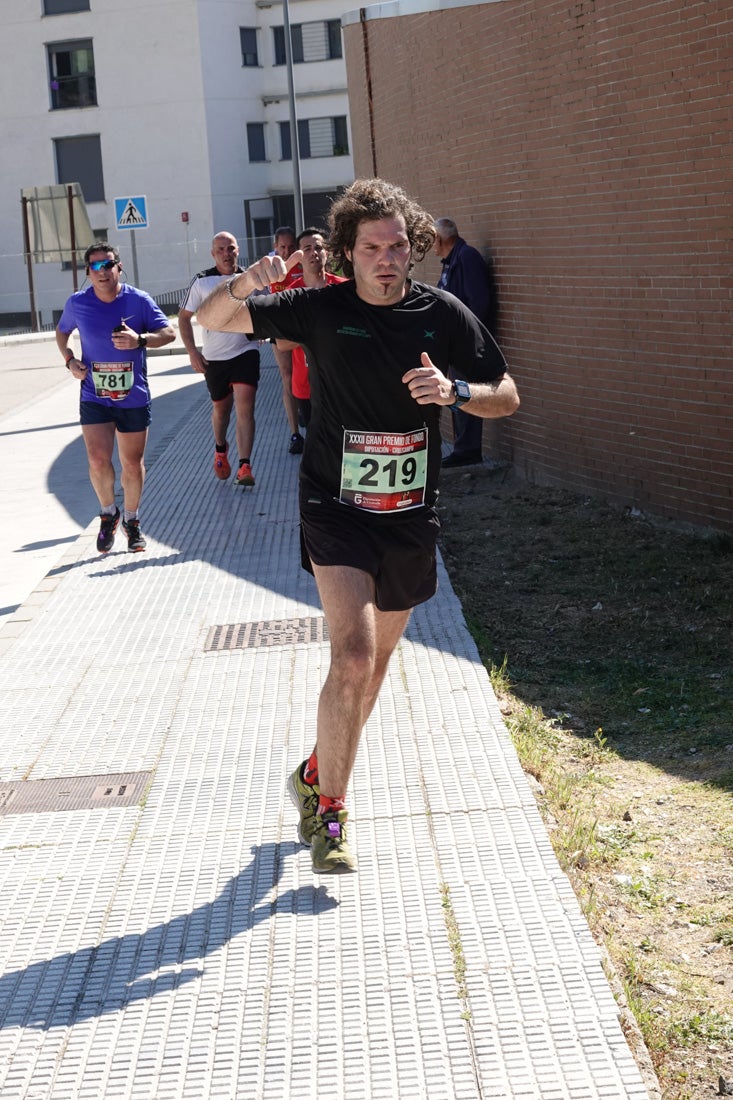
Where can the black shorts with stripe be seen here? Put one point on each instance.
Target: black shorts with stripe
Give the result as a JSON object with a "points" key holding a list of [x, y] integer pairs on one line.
{"points": [[398, 551], [222, 374]]}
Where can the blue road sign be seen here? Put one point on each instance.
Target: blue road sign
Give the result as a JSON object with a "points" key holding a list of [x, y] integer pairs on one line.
{"points": [[131, 212]]}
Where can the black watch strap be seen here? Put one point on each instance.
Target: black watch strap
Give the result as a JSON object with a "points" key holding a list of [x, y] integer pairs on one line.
{"points": [[462, 392]]}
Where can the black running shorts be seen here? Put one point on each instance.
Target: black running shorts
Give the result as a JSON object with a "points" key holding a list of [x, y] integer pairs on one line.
{"points": [[397, 551], [222, 374], [135, 419]]}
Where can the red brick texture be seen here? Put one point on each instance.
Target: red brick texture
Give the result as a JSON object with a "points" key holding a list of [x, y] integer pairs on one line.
{"points": [[586, 146]]}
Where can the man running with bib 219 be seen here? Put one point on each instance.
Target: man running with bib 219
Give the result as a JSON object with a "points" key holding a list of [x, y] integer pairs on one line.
{"points": [[380, 348]]}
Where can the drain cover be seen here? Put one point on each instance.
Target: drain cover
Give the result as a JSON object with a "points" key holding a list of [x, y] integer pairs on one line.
{"points": [[84, 792], [270, 632]]}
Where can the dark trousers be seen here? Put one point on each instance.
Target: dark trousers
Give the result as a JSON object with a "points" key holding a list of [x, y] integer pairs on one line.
{"points": [[467, 431]]}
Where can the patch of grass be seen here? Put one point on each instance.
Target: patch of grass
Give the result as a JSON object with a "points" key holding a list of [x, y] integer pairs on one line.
{"points": [[456, 948], [600, 615], [535, 740], [708, 1027], [633, 979], [646, 892], [608, 641]]}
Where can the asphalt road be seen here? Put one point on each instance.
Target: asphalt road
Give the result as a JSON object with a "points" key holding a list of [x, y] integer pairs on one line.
{"points": [[46, 499]]}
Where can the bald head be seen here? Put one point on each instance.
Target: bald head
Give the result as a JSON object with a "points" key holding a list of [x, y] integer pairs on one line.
{"points": [[225, 250]]}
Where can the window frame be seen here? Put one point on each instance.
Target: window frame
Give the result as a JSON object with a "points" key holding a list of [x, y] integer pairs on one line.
{"points": [[307, 139], [296, 41], [331, 37], [256, 128], [64, 7], [83, 80], [249, 53], [84, 151], [333, 33]]}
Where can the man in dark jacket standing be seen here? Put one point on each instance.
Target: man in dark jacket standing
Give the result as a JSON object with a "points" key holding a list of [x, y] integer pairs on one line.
{"points": [[465, 274]]}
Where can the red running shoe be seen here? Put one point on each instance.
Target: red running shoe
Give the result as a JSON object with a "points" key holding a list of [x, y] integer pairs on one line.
{"points": [[222, 469], [244, 475]]}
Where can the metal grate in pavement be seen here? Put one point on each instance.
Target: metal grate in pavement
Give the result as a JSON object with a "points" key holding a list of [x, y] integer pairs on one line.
{"points": [[182, 947], [312, 628], [85, 792]]}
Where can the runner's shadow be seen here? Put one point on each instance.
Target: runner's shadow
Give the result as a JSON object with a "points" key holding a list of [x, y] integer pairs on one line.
{"points": [[44, 544], [95, 981], [68, 478]]}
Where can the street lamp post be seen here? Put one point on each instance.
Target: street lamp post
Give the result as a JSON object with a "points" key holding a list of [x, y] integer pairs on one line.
{"points": [[294, 144]]}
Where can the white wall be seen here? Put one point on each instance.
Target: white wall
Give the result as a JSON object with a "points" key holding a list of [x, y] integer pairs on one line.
{"points": [[173, 103]]}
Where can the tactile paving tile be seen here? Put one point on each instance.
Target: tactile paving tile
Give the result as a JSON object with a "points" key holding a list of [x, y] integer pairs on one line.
{"points": [[184, 948]]}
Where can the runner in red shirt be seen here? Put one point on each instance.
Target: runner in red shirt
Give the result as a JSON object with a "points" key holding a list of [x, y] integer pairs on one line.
{"points": [[315, 256], [284, 246]]}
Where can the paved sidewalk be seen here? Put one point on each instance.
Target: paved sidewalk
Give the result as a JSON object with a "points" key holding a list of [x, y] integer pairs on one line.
{"points": [[46, 499], [162, 935]]}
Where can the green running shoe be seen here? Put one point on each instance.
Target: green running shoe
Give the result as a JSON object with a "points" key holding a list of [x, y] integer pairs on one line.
{"points": [[305, 800], [330, 850]]}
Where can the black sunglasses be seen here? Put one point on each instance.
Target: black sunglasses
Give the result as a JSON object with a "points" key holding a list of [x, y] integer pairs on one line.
{"points": [[103, 265]]}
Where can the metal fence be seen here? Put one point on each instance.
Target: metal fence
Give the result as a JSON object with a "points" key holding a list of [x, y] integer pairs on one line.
{"points": [[161, 266]]}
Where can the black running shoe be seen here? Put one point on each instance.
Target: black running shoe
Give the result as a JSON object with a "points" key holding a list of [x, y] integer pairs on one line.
{"points": [[135, 540], [107, 527]]}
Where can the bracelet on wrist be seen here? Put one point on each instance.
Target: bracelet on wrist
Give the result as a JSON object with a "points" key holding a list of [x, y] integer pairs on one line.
{"points": [[230, 292], [68, 356]]}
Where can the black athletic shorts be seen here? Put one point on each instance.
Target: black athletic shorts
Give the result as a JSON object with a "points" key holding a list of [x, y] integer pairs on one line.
{"points": [[397, 551], [135, 419], [222, 374]]}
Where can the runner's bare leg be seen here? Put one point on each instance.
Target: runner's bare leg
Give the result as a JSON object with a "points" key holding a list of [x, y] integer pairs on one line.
{"points": [[362, 642], [99, 440]]}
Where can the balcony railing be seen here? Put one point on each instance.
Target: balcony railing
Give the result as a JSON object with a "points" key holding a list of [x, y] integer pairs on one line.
{"points": [[73, 91]]}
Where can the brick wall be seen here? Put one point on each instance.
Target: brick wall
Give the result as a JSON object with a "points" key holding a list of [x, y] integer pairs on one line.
{"points": [[586, 146]]}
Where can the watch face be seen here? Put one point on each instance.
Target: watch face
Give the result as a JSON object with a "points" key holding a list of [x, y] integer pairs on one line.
{"points": [[463, 390]]}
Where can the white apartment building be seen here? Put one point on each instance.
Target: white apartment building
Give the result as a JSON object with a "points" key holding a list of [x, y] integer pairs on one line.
{"points": [[182, 102]]}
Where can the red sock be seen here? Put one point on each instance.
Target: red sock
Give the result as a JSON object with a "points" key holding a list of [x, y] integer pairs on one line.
{"points": [[310, 770], [328, 805]]}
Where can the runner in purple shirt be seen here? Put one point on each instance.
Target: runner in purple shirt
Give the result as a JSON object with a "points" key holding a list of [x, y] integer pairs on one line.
{"points": [[116, 323]]}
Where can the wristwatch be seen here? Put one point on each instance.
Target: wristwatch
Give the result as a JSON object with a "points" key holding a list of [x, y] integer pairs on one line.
{"points": [[142, 341], [462, 391]]}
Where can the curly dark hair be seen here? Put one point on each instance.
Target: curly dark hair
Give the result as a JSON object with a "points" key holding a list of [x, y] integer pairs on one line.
{"points": [[372, 200]]}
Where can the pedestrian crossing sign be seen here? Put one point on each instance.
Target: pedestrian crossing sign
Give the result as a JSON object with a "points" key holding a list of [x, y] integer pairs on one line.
{"points": [[131, 212]]}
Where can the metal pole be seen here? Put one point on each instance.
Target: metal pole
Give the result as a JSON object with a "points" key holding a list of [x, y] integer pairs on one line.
{"points": [[72, 235], [29, 263], [294, 144], [135, 276]]}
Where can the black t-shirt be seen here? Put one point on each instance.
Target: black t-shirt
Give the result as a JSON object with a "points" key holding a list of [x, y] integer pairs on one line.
{"points": [[357, 354]]}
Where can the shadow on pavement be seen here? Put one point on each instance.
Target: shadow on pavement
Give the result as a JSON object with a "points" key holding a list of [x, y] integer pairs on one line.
{"points": [[102, 979]]}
